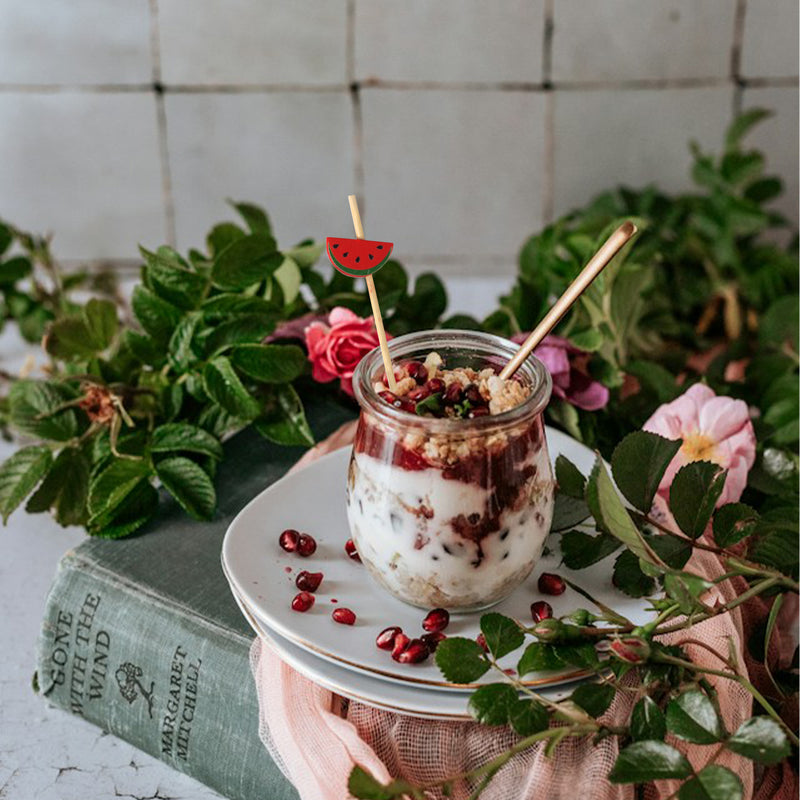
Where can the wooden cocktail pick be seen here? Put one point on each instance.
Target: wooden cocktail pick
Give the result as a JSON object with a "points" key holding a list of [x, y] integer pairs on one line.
{"points": [[596, 264], [360, 258]]}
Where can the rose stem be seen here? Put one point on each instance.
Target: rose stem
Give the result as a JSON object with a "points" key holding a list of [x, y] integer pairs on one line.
{"points": [[596, 264], [373, 299]]}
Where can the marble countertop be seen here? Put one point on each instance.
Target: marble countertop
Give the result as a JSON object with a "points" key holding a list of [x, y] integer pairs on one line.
{"points": [[46, 753]]}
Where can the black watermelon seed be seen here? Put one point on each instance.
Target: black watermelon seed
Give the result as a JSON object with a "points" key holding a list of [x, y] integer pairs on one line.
{"points": [[334, 246], [358, 258], [371, 256], [379, 247], [346, 254]]}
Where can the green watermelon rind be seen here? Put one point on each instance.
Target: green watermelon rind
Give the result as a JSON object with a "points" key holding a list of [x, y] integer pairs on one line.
{"points": [[356, 273]]}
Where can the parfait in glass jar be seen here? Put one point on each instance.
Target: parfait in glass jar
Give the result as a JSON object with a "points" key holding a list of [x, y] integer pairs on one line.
{"points": [[450, 489]]}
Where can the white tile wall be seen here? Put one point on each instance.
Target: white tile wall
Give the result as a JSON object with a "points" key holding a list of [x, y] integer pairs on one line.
{"points": [[633, 137], [449, 40], [770, 44], [463, 124], [608, 40], [291, 152], [453, 173], [75, 41], [253, 42], [84, 166], [778, 137]]}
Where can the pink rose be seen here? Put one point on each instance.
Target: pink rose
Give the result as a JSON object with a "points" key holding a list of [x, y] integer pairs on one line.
{"points": [[716, 429], [568, 366], [335, 348]]}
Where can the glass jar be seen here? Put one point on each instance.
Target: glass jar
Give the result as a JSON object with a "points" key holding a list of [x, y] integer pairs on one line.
{"points": [[450, 512]]}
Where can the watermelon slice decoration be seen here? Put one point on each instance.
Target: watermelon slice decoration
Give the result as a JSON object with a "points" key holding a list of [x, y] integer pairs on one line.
{"points": [[357, 257]]}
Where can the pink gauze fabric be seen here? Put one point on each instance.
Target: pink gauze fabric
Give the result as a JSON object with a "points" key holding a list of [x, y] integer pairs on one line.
{"points": [[317, 737]]}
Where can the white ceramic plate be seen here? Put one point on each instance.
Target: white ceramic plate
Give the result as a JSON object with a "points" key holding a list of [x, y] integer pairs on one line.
{"points": [[312, 500], [391, 696]]}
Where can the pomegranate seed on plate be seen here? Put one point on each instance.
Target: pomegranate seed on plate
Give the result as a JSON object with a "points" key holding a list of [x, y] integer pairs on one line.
{"points": [[302, 601], [437, 620], [385, 639], [481, 640], [415, 652], [400, 642], [350, 549], [308, 581], [288, 540], [306, 545], [540, 610], [344, 616], [549, 583], [432, 640]]}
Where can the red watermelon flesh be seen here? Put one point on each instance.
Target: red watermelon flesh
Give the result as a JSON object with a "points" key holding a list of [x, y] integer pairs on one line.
{"points": [[358, 257]]}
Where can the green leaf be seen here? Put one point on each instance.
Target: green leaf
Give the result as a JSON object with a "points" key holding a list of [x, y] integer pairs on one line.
{"points": [[581, 550], [111, 485], [615, 519], [33, 407], [222, 306], [269, 363], [647, 721], [245, 329], [492, 704], [742, 124], [642, 762], [538, 657], [284, 420], [461, 660], [568, 512], [180, 348], [223, 385], [169, 279], [594, 698], [306, 253], [221, 235], [20, 474], [674, 551], [68, 338], [101, 321], [570, 480], [156, 316], [734, 522], [246, 261], [629, 578], [178, 436], [578, 655], [290, 279], [693, 495], [713, 782], [692, 716], [255, 217], [528, 717], [638, 465], [15, 269], [685, 589], [133, 511], [760, 739], [64, 489], [189, 485], [502, 634], [362, 785]]}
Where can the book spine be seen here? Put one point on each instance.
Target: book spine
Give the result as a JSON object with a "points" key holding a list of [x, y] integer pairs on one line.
{"points": [[170, 683]]}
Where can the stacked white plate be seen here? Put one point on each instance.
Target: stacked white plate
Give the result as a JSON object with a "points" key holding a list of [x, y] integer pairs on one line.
{"points": [[344, 658]]}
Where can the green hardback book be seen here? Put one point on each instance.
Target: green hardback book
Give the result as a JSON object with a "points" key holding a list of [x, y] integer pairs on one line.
{"points": [[142, 637]]}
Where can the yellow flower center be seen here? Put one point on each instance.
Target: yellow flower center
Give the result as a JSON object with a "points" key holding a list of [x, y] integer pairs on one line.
{"points": [[698, 447]]}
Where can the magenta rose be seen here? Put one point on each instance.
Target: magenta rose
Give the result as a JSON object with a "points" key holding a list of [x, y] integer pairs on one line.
{"points": [[336, 347], [569, 367]]}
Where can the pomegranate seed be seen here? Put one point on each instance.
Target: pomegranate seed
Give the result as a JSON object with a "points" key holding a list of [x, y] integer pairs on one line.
{"points": [[385, 639], [435, 385], [288, 540], [306, 545], [437, 620], [350, 549], [540, 610], [481, 640], [417, 371], [303, 601], [473, 394], [344, 616], [400, 643], [308, 581], [415, 651], [454, 393], [549, 583], [408, 405], [432, 640], [391, 398], [420, 393]]}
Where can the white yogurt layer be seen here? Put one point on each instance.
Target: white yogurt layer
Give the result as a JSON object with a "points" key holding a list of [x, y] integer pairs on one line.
{"points": [[400, 521]]}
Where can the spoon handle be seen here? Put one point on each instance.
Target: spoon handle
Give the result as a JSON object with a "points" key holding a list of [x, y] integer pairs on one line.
{"points": [[596, 264]]}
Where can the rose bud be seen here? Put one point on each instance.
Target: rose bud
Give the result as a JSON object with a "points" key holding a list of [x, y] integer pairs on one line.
{"points": [[548, 630], [630, 649]]}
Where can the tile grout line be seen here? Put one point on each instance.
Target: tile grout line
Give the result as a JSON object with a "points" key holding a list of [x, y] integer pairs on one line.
{"points": [[355, 103], [736, 55], [548, 154], [161, 112]]}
